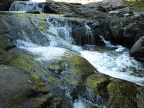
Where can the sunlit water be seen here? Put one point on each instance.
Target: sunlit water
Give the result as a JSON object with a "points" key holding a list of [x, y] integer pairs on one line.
{"points": [[118, 65], [114, 62], [110, 60]]}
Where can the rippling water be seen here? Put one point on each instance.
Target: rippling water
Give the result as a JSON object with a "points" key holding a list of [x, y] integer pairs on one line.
{"points": [[112, 61]]}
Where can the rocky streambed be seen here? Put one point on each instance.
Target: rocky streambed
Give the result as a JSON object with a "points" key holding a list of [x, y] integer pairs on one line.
{"points": [[43, 63]]}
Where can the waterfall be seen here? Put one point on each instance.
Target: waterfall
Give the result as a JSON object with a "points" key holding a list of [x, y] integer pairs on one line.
{"points": [[89, 35], [27, 6], [61, 37], [111, 60]]}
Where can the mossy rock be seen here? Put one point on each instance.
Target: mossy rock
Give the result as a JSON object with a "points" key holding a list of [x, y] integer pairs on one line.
{"points": [[67, 72], [73, 69], [140, 97], [4, 56], [23, 59], [2, 49], [17, 86], [122, 94], [136, 5], [98, 83]]}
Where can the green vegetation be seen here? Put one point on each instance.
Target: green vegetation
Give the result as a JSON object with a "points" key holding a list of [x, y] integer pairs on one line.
{"points": [[4, 56], [137, 5], [122, 94], [73, 68], [98, 83]]}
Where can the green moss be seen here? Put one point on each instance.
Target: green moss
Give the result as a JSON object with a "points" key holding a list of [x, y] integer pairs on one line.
{"points": [[24, 60], [71, 68], [122, 94], [41, 23], [5, 57], [2, 49], [135, 5], [81, 66], [98, 83]]}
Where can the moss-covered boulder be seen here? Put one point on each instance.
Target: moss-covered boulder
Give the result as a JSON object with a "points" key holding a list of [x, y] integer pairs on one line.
{"points": [[122, 94], [61, 76], [98, 83], [73, 69]]}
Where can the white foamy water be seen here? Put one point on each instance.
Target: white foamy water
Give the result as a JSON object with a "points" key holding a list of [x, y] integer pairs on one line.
{"points": [[113, 62], [48, 53], [79, 104], [45, 53], [119, 65]]}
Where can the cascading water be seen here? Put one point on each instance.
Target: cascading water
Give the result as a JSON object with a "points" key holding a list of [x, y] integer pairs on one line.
{"points": [[89, 35], [27, 6], [111, 60], [57, 41]]}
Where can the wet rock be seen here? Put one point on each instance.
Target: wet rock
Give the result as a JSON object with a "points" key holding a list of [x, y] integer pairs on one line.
{"points": [[121, 12], [73, 69], [98, 83], [132, 30], [86, 36], [5, 4], [140, 97], [115, 26], [101, 28], [122, 94], [34, 12], [137, 49], [61, 76]]}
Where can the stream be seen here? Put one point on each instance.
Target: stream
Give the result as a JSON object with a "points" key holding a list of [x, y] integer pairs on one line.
{"points": [[111, 60]]}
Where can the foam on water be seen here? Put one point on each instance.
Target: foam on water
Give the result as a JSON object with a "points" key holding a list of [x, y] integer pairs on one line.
{"points": [[116, 63], [45, 53], [119, 65], [48, 53], [79, 104]]}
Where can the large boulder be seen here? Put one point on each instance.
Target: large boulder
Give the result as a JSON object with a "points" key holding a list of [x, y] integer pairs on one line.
{"points": [[18, 86], [63, 75], [98, 83], [117, 93], [137, 49], [122, 94], [133, 30]]}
